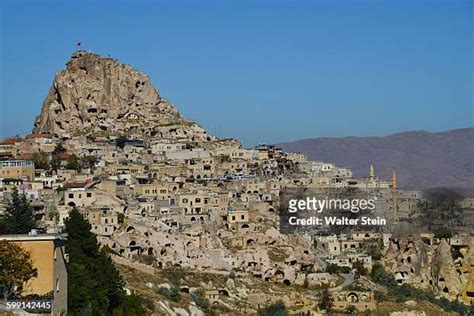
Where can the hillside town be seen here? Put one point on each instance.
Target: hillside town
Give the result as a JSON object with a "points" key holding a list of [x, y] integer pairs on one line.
{"points": [[162, 195]]}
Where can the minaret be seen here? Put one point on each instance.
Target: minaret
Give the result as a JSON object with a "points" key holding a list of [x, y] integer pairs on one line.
{"points": [[371, 172], [394, 195]]}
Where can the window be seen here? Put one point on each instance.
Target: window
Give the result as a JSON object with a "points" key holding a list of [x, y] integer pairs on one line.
{"points": [[242, 217], [71, 195], [89, 194]]}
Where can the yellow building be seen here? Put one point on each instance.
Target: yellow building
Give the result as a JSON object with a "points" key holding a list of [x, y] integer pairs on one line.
{"points": [[17, 169], [49, 258], [160, 190]]}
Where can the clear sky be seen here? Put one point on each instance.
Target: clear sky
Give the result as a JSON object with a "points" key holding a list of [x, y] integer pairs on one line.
{"points": [[264, 71]]}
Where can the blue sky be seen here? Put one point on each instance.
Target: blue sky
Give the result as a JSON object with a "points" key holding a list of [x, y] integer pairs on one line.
{"points": [[262, 71]]}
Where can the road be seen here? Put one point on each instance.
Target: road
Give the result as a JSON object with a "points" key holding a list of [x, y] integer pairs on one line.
{"points": [[348, 280]]}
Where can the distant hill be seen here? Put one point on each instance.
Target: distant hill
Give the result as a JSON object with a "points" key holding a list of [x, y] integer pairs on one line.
{"points": [[422, 159]]}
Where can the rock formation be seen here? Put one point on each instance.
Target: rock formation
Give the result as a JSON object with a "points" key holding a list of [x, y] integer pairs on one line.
{"points": [[431, 265], [444, 274], [407, 259], [99, 96], [467, 276]]}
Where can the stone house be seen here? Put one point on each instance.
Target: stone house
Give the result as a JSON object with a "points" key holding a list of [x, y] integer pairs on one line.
{"points": [[19, 169], [104, 221], [362, 301], [212, 296], [79, 197]]}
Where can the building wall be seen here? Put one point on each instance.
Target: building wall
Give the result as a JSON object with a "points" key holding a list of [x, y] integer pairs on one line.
{"points": [[41, 254], [49, 258], [362, 301], [238, 217], [79, 197], [11, 171]]}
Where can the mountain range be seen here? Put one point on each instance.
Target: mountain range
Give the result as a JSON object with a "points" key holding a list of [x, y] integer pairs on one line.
{"points": [[422, 159]]}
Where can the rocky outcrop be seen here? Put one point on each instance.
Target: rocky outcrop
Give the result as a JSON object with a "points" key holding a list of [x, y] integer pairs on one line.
{"points": [[444, 274], [467, 277], [432, 266], [407, 259], [95, 95]]}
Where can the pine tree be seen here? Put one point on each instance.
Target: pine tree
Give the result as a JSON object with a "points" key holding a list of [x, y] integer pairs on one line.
{"points": [[95, 286], [59, 148], [19, 217]]}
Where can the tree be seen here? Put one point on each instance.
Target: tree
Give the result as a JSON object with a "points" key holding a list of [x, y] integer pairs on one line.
{"points": [[132, 305], [334, 268], [276, 309], [326, 300], [360, 268], [379, 296], [374, 252], [121, 141], [121, 218], [94, 284], [41, 160], [59, 148], [16, 268], [443, 233], [406, 292], [89, 161], [73, 163], [379, 275], [351, 309], [200, 300], [19, 218], [171, 293], [54, 163]]}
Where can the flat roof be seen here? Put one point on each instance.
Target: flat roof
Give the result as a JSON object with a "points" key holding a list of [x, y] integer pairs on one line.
{"points": [[37, 237]]}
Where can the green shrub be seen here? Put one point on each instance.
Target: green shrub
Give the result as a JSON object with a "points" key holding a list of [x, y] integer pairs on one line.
{"points": [[379, 296], [172, 293], [333, 268], [200, 301], [175, 276], [276, 309], [406, 292]]}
